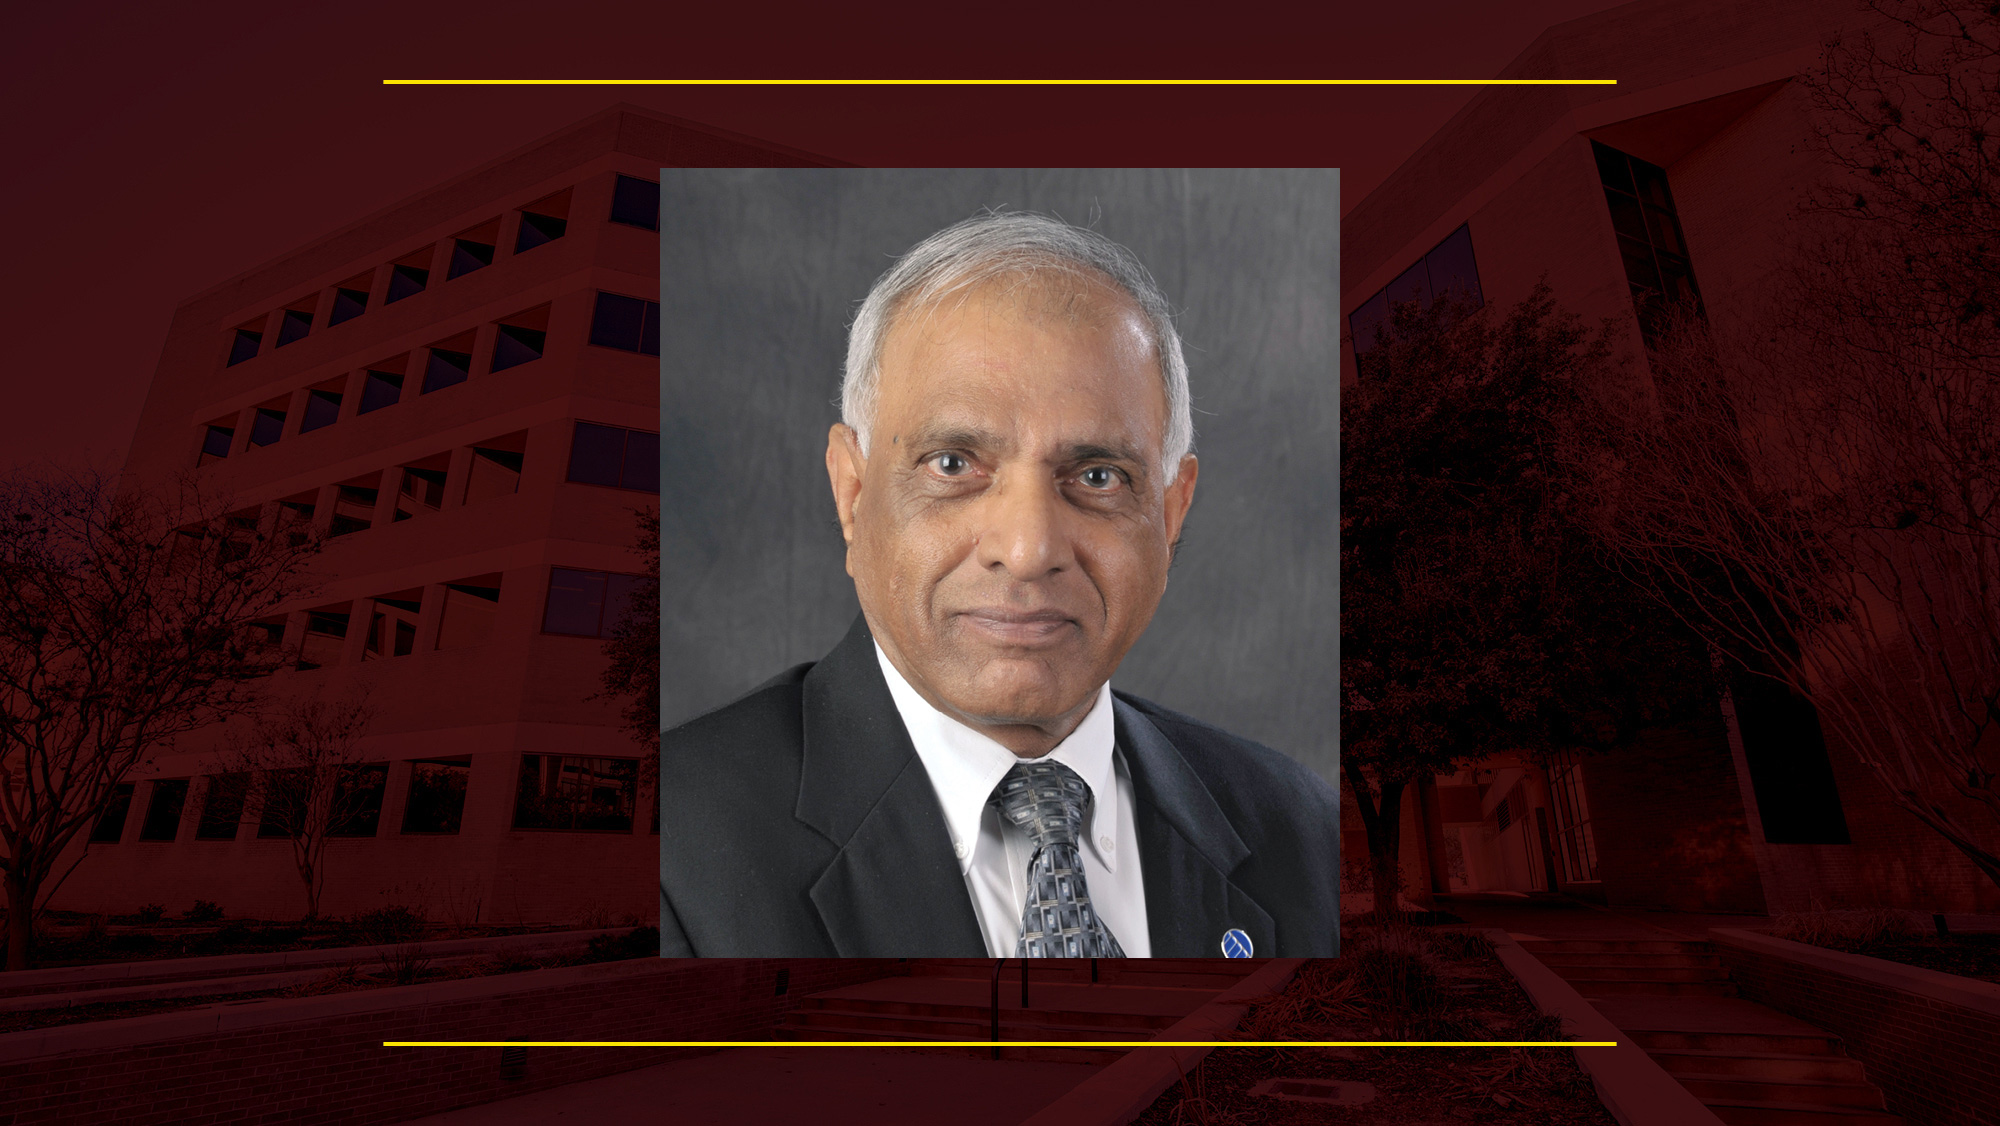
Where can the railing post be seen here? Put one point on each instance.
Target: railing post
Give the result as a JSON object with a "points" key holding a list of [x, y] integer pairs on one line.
{"points": [[1024, 984], [997, 963]]}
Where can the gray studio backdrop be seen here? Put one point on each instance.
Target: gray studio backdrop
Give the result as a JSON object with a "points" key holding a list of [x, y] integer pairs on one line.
{"points": [[760, 272]]}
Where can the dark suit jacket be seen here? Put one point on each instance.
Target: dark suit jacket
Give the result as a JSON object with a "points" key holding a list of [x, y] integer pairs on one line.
{"points": [[799, 822]]}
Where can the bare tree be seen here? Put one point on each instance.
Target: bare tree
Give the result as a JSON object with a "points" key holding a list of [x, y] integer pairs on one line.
{"points": [[633, 676], [127, 618], [307, 778], [1820, 493]]}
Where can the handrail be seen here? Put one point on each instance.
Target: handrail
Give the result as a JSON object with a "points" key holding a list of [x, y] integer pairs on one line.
{"points": [[998, 965]]}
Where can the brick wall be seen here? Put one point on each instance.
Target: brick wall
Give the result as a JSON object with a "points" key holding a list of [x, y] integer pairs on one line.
{"points": [[320, 1059], [1929, 1040]]}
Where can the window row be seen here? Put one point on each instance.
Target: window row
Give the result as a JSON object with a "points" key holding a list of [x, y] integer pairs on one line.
{"points": [[1447, 269], [629, 324], [562, 792]]}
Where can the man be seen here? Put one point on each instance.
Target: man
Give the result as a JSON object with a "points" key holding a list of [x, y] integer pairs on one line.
{"points": [[957, 778]]}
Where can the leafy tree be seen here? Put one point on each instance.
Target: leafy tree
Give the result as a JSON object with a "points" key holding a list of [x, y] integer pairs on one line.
{"points": [[634, 649], [1476, 615], [127, 618]]}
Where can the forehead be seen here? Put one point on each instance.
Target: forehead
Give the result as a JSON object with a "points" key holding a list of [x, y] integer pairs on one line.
{"points": [[1033, 348]]}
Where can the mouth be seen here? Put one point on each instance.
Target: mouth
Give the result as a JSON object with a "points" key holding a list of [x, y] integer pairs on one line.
{"points": [[1005, 626]]}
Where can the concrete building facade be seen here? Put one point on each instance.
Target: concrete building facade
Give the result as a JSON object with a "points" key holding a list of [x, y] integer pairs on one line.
{"points": [[1681, 180], [462, 392]]}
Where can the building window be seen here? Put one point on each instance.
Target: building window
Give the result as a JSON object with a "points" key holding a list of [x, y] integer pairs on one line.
{"points": [[380, 389], [222, 807], [347, 305], [1649, 235], [576, 792], [1575, 845], [392, 632], [244, 346], [586, 603], [469, 608], [294, 325], [354, 505], [322, 409], [163, 810], [110, 827], [437, 795], [267, 427], [543, 221], [325, 637], [514, 345], [636, 203], [626, 323], [1448, 269], [496, 467], [449, 363], [408, 277], [215, 442], [422, 490], [615, 456], [357, 800], [467, 256]]}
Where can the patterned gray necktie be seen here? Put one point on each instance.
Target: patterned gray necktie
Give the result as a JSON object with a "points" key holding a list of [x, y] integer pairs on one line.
{"points": [[1048, 800]]}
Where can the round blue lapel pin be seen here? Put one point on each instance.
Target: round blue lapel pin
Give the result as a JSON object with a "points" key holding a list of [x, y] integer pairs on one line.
{"points": [[1235, 944]]}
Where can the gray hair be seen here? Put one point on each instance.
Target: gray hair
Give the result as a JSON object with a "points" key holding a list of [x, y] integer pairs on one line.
{"points": [[998, 244]]}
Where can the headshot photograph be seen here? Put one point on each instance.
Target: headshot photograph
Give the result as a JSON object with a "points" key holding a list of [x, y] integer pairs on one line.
{"points": [[999, 563]]}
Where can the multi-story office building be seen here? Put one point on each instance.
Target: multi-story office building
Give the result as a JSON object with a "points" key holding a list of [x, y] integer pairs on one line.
{"points": [[1680, 181], [462, 392]]}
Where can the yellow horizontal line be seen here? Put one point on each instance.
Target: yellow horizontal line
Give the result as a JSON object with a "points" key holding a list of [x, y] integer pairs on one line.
{"points": [[999, 82], [999, 1043]]}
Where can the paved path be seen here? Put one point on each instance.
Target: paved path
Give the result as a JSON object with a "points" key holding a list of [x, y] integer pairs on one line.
{"points": [[826, 1086], [1559, 918]]}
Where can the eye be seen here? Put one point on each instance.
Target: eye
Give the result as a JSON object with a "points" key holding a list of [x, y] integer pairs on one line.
{"points": [[1099, 477], [950, 464]]}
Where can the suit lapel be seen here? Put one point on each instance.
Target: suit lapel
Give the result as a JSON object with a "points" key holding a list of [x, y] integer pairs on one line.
{"points": [[1187, 850], [894, 888]]}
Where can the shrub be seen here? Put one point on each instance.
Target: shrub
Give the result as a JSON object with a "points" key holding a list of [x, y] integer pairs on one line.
{"points": [[1850, 929], [391, 924], [639, 942], [203, 911], [152, 913], [406, 963]]}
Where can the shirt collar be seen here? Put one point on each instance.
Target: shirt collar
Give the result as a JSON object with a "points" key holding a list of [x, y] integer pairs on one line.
{"points": [[964, 765]]}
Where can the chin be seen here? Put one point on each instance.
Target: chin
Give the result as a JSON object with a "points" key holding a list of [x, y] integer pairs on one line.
{"points": [[1022, 691]]}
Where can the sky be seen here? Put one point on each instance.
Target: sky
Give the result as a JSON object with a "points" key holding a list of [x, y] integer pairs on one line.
{"points": [[153, 152]]}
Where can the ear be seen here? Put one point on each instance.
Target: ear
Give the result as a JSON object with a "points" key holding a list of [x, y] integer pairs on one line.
{"points": [[1180, 495], [845, 466]]}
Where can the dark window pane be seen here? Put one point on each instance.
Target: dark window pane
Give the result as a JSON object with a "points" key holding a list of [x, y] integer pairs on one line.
{"points": [[406, 281], [380, 389], [575, 792], [642, 461], [322, 409], [467, 257], [1664, 231], [445, 369], [1628, 215], [111, 823], [437, 797], [538, 229], [1612, 171], [163, 810], [514, 346], [597, 455], [295, 325], [356, 806], [287, 798], [245, 345], [576, 602], [617, 597], [1650, 180], [222, 807], [422, 491], [649, 336], [1413, 284], [1453, 269], [1639, 268], [636, 202], [268, 427], [347, 305], [215, 443], [620, 322], [1367, 322], [494, 473]]}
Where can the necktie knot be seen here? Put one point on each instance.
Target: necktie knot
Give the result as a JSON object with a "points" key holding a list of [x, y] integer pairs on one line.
{"points": [[1047, 799]]}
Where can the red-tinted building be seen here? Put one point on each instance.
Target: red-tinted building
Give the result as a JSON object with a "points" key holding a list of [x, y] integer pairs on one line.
{"points": [[462, 392], [1679, 181]]}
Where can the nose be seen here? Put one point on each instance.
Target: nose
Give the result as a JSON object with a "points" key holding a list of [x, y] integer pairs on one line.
{"points": [[1022, 533]]}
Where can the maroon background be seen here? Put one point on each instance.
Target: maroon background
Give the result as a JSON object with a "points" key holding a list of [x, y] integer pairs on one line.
{"points": [[153, 153]]}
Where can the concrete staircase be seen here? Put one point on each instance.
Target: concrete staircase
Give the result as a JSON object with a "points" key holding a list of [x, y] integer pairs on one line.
{"points": [[1752, 1065], [951, 999]]}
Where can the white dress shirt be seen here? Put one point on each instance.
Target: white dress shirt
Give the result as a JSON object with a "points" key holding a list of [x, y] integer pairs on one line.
{"points": [[993, 853]]}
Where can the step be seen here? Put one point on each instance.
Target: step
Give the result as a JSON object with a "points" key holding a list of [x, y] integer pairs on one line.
{"points": [[1737, 1088], [1624, 987], [1216, 976], [1754, 1113], [1750, 1043], [1560, 962], [1045, 1054], [959, 1028], [1538, 946], [909, 1010], [1640, 971], [1770, 1066]]}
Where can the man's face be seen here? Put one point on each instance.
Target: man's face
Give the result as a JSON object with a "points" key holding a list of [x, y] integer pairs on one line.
{"points": [[1009, 528]]}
